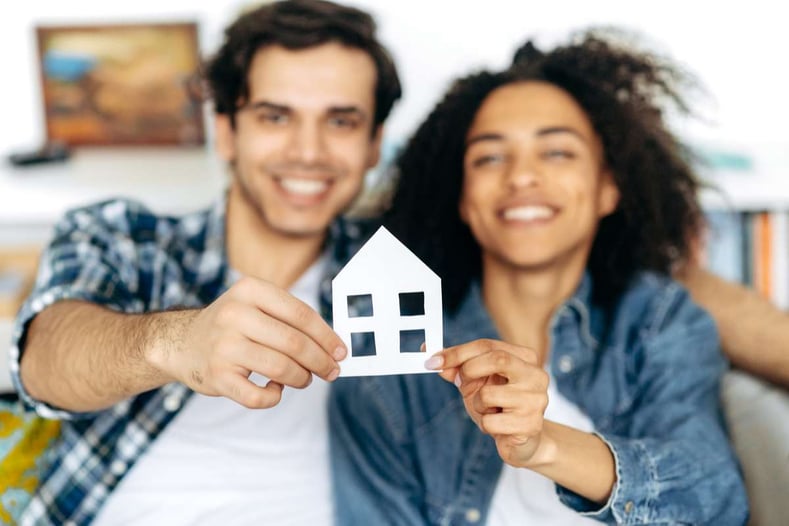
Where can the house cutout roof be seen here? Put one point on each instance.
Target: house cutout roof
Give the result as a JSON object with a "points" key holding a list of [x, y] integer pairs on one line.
{"points": [[387, 335]]}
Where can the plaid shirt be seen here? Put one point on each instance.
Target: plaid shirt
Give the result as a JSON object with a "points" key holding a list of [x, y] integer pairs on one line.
{"points": [[120, 255]]}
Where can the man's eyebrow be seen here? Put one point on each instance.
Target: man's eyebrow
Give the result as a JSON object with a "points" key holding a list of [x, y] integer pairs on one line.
{"points": [[347, 110], [332, 110], [264, 104]]}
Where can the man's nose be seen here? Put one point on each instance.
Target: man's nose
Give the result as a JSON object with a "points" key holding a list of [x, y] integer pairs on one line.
{"points": [[307, 143]]}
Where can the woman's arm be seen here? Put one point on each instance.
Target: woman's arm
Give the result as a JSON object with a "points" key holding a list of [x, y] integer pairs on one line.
{"points": [[672, 459], [504, 389]]}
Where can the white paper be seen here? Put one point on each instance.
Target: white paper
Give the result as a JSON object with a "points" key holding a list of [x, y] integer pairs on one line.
{"points": [[384, 268]]}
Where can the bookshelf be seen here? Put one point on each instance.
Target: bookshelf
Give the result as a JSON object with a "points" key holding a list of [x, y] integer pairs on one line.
{"points": [[748, 213]]}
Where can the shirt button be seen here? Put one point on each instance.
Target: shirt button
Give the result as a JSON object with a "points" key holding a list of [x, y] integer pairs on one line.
{"points": [[629, 506], [172, 403], [118, 467], [473, 515], [566, 364]]}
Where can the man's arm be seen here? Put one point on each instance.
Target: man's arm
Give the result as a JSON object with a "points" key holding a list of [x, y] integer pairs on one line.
{"points": [[754, 332], [83, 357]]}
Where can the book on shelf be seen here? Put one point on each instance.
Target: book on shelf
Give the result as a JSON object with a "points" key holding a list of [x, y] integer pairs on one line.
{"points": [[751, 247]]}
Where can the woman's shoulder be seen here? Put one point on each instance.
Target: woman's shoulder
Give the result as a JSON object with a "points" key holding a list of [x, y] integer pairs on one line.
{"points": [[656, 302], [659, 315]]}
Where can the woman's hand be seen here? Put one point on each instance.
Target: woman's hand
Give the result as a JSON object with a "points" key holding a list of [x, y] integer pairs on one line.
{"points": [[504, 388]]}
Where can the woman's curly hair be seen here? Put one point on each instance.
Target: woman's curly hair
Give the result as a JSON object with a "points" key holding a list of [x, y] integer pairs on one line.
{"points": [[625, 94]]}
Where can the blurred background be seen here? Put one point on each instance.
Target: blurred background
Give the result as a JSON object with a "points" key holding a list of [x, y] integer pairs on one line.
{"points": [[737, 49]]}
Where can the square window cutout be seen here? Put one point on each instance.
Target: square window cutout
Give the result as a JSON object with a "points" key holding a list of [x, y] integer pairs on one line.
{"points": [[412, 303], [412, 340], [360, 305], [363, 344]]}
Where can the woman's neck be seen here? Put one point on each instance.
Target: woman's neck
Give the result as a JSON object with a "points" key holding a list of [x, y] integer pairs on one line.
{"points": [[522, 302]]}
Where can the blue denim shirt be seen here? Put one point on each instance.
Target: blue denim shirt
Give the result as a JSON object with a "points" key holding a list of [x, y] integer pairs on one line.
{"points": [[646, 371]]}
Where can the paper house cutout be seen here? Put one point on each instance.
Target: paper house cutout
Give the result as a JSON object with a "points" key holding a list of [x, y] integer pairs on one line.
{"points": [[383, 298]]}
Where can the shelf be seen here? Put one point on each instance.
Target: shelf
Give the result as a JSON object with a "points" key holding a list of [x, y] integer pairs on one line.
{"points": [[168, 180], [764, 185]]}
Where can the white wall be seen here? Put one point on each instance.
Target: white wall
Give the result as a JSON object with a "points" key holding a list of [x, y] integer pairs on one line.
{"points": [[737, 50]]}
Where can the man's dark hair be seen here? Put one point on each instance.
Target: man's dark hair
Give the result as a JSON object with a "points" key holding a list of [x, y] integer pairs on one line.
{"points": [[297, 24], [624, 94]]}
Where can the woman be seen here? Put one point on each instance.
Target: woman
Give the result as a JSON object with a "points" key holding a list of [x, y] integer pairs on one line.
{"points": [[561, 202]]}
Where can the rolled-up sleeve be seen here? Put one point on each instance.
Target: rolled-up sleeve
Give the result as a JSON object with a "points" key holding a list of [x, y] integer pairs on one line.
{"points": [[675, 463], [90, 258]]}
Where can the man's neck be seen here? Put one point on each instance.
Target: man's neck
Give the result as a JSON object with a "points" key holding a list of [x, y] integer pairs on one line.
{"points": [[254, 249], [522, 302]]}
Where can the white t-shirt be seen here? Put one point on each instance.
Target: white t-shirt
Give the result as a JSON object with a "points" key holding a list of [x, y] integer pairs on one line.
{"points": [[523, 496], [220, 463]]}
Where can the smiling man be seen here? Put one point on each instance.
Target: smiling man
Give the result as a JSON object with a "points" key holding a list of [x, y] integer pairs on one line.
{"points": [[153, 337]]}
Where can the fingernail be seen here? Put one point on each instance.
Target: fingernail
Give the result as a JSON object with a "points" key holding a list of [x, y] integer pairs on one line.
{"points": [[423, 347], [458, 381], [339, 353], [434, 362], [333, 374]]}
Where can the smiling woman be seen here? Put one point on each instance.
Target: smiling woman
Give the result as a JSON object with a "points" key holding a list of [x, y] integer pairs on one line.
{"points": [[535, 182], [579, 377]]}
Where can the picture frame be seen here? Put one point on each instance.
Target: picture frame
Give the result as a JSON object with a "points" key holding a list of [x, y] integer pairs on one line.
{"points": [[121, 84]]}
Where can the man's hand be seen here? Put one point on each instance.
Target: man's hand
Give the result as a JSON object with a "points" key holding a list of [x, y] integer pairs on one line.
{"points": [[505, 392], [253, 327]]}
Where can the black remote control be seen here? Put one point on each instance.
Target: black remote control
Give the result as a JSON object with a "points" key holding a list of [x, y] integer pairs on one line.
{"points": [[50, 152]]}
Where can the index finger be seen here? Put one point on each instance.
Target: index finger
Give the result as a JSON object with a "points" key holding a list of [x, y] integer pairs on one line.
{"points": [[454, 357], [290, 310]]}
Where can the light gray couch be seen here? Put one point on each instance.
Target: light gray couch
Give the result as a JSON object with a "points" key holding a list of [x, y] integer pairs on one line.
{"points": [[757, 413]]}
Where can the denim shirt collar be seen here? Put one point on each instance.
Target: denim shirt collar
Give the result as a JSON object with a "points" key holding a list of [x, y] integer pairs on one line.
{"points": [[477, 322], [581, 303]]}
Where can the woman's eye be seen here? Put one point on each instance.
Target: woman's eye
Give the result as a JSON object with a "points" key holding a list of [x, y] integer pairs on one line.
{"points": [[558, 154], [487, 160]]}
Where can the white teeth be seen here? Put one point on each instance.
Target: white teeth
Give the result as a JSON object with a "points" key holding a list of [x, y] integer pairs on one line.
{"points": [[303, 186], [528, 213]]}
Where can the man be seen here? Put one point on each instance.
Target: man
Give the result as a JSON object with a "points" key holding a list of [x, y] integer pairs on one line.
{"points": [[156, 400]]}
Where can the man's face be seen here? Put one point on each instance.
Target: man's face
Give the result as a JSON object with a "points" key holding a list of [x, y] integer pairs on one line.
{"points": [[304, 140]]}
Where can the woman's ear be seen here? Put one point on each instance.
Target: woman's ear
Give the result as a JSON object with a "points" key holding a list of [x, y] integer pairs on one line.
{"points": [[462, 209], [608, 196]]}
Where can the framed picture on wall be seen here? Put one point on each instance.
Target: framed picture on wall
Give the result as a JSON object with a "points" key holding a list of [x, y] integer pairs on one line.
{"points": [[124, 84]]}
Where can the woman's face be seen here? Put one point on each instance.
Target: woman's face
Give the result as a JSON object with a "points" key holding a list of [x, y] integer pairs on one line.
{"points": [[535, 186]]}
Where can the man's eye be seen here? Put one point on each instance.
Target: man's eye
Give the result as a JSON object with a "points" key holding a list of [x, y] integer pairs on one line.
{"points": [[343, 122], [272, 118]]}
